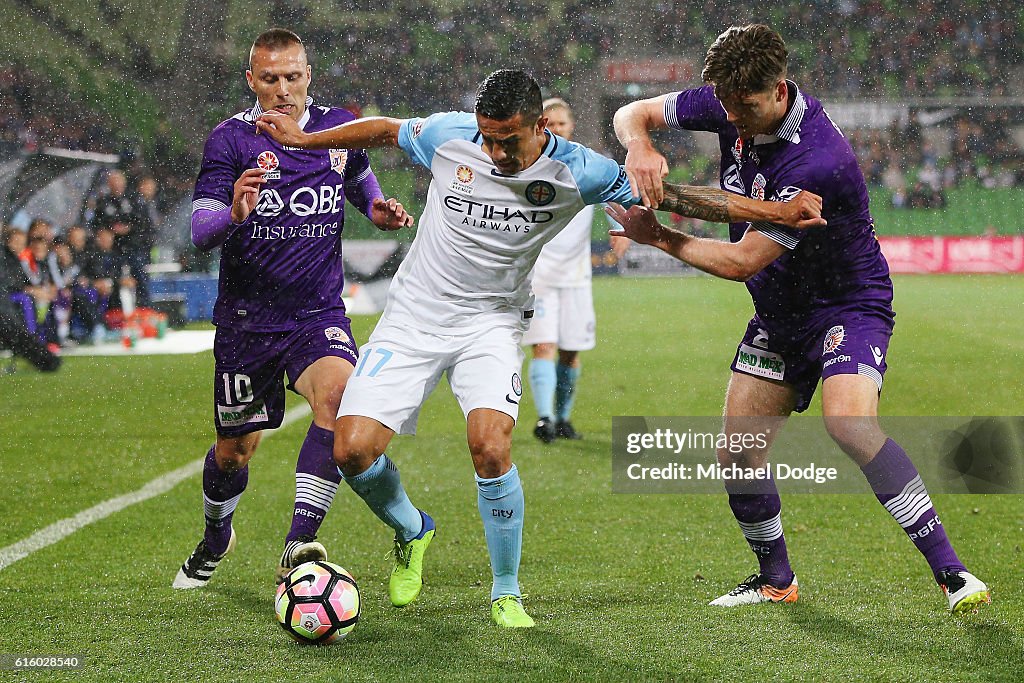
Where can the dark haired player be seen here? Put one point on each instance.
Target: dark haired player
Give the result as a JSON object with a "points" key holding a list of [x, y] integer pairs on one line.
{"points": [[822, 298], [502, 187], [277, 213]]}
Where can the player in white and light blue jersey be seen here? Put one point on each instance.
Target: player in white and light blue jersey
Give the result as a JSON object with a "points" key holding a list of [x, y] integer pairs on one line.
{"points": [[502, 187]]}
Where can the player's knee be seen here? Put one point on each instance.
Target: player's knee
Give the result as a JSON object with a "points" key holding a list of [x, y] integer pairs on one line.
{"points": [[353, 455], [234, 454], [491, 458], [739, 457], [858, 437], [544, 351]]}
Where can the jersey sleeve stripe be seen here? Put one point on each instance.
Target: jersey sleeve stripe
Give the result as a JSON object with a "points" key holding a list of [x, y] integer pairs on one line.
{"points": [[359, 178], [208, 205], [671, 113], [773, 233]]}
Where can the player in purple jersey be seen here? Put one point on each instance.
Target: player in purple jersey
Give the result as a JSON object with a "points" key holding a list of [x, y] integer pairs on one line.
{"points": [[822, 297], [277, 213]]}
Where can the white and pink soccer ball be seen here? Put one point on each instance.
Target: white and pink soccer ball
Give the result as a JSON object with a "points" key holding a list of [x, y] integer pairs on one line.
{"points": [[318, 603]]}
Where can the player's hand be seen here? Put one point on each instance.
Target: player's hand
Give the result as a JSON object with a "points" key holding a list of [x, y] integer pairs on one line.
{"points": [[389, 214], [803, 211], [646, 169], [247, 191], [638, 224], [283, 128]]}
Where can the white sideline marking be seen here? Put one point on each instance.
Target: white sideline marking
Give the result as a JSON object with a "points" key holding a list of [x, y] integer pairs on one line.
{"points": [[165, 482]]}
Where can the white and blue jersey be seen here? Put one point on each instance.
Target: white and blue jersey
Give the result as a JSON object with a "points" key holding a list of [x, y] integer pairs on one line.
{"points": [[481, 231]]}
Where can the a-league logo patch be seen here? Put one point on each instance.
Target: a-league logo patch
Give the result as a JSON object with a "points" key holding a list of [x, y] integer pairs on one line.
{"points": [[540, 193], [338, 159], [517, 384], [268, 161], [757, 187], [463, 179], [336, 333], [737, 152], [834, 339]]}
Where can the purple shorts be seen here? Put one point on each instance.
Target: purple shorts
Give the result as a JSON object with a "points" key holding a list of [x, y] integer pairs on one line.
{"points": [[248, 391], [847, 344]]}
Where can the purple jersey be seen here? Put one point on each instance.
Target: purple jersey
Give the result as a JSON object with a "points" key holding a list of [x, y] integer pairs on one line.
{"points": [[839, 268], [283, 263]]}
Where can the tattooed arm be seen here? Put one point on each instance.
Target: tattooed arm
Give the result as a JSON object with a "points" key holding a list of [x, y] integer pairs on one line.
{"points": [[719, 206]]}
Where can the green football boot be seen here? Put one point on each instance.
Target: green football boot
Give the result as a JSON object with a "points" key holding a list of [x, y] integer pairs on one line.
{"points": [[407, 576], [508, 611]]}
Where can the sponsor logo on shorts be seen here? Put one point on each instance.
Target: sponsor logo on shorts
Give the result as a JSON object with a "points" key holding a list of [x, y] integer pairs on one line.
{"points": [[837, 359], [877, 354], [336, 334], [338, 159], [834, 339], [236, 416], [268, 161], [760, 362]]}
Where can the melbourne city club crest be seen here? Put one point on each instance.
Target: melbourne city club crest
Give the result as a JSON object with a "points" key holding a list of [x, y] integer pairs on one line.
{"points": [[267, 160], [338, 159], [540, 193]]}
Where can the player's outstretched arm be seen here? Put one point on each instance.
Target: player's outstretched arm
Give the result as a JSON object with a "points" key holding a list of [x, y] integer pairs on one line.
{"points": [[374, 131], [712, 204], [738, 261], [645, 166]]}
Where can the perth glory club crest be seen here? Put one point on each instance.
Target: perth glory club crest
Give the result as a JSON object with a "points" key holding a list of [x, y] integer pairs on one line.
{"points": [[834, 339], [338, 159]]}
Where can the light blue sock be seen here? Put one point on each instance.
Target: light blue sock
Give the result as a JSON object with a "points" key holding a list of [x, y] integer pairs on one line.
{"points": [[565, 390], [501, 507], [542, 384], [381, 488]]}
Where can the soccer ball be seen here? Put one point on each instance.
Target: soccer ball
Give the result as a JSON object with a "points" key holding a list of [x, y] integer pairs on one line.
{"points": [[318, 603]]}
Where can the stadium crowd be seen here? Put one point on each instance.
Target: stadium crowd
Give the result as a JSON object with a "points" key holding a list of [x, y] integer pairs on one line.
{"points": [[848, 48], [68, 285]]}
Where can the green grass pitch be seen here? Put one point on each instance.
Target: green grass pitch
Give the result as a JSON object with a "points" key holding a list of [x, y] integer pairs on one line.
{"points": [[618, 584]]}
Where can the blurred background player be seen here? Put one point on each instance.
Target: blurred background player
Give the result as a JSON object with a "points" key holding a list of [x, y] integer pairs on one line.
{"points": [[502, 187], [822, 297], [563, 319], [278, 216]]}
